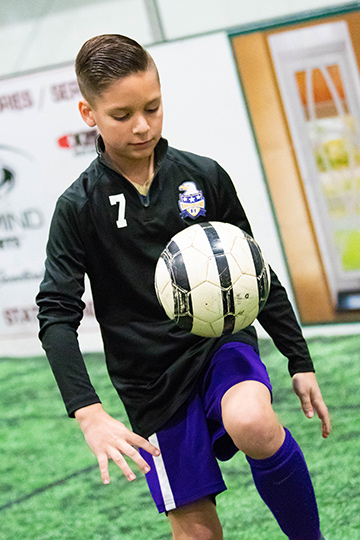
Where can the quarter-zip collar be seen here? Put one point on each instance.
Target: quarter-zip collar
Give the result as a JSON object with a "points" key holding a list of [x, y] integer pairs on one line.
{"points": [[160, 152]]}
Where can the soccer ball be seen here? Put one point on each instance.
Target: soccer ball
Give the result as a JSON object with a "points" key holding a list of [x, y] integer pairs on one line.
{"points": [[212, 279]]}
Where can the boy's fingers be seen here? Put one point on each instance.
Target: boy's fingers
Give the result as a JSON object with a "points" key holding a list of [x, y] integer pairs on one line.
{"points": [[309, 403], [326, 427], [307, 389], [112, 440], [117, 455], [323, 414], [140, 442], [103, 466], [138, 459], [120, 461], [307, 407], [306, 403]]}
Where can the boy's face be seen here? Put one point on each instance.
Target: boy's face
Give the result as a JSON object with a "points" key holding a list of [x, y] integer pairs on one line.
{"points": [[129, 117]]}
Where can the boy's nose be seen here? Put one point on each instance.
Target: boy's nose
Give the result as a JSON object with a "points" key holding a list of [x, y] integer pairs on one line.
{"points": [[140, 126]]}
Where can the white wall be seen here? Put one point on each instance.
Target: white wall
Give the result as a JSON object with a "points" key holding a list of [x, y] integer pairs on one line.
{"points": [[55, 35], [40, 33], [188, 17]]}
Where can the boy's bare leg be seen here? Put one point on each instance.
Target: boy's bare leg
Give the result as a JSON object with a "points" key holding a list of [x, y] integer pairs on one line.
{"points": [[197, 521], [250, 420]]}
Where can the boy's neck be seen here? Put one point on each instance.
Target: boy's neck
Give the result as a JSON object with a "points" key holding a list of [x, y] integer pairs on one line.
{"points": [[138, 172]]}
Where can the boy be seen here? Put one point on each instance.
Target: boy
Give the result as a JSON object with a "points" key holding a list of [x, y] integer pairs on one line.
{"points": [[189, 399]]}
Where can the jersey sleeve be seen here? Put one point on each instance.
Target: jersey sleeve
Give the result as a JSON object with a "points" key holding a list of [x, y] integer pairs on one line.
{"points": [[277, 317], [280, 322], [61, 308]]}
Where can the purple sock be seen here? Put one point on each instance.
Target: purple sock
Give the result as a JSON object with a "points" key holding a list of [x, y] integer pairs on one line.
{"points": [[284, 484]]}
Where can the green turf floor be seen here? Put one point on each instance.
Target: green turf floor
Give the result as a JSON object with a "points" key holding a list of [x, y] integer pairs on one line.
{"points": [[50, 487]]}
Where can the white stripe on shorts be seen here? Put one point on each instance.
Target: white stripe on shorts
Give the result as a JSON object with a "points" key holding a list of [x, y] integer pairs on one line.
{"points": [[165, 487]]}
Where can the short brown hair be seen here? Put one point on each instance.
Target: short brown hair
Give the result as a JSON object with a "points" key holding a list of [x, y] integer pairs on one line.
{"points": [[105, 59]]}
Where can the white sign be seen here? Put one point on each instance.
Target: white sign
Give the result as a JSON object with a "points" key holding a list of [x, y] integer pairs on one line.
{"points": [[44, 146]]}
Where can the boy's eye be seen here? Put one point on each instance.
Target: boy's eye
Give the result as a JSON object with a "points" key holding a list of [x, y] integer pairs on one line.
{"points": [[153, 109], [121, 118]]}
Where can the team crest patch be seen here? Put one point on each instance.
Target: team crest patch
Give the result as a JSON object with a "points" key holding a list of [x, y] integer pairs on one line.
{"points": [[191, 202]]}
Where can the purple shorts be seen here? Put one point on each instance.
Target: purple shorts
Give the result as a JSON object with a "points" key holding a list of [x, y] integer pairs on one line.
{"points": [[194, 438]]}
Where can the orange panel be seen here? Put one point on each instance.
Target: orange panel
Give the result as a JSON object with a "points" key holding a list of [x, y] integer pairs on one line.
{"points": [[307, 273], [258, 78]]}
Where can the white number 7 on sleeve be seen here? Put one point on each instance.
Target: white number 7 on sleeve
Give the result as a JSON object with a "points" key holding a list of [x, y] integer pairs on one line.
{"points": [[114, 199]]}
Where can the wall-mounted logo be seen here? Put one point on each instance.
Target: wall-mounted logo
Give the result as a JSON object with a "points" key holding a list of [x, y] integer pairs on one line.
{"points": [[20, 213], [81, 142], [7, 179]]}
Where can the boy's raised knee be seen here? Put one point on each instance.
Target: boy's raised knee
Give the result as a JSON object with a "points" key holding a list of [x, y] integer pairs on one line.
{"points": [[250, 421], [256, 437]]}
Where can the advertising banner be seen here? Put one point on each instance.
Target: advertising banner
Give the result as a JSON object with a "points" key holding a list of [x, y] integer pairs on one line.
{"points": [[44, 145]]}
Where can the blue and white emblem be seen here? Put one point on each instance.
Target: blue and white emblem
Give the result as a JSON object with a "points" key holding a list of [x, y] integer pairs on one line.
{"points": [[191, 202]]}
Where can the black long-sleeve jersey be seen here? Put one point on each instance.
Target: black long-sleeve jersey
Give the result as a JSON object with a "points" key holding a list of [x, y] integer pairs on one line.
{"points": [[104, 228]]}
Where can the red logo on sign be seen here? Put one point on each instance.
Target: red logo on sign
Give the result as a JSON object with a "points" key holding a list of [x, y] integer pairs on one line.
{"points": [[84, 139]]}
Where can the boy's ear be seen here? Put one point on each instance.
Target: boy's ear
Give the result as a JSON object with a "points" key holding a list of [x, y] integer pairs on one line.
{"points": [[86, 113]]}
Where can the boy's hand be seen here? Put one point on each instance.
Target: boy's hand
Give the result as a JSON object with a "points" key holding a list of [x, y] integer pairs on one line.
{"points": [[110, 439], [307, 389]]}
